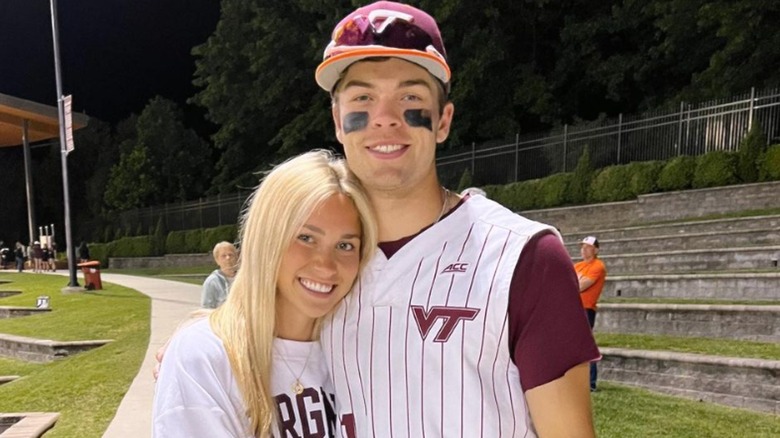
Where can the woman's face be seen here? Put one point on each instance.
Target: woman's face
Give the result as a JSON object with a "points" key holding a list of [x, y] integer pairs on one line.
{"points": [[319, 267]]}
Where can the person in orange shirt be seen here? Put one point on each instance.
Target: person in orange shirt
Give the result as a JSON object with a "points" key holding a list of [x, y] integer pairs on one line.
{"points": [[591, 274]]}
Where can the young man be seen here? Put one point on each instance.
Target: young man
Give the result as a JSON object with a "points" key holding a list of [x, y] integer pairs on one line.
{"points": [[467, 322], [591, 274]]}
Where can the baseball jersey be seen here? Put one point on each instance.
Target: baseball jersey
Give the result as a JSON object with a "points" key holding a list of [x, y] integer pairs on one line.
{"points": [[420, 346], [197, 396]]}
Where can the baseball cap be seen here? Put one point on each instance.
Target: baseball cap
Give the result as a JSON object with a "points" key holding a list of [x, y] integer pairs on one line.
{"points": [[591, 240], [384, 29]]}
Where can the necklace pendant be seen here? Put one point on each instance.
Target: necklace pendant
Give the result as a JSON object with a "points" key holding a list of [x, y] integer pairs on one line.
{"points": [[297, 388]]}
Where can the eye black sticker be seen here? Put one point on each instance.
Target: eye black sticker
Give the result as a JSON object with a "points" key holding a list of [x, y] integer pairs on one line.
{"points": [[356, 121], [419, 118]]}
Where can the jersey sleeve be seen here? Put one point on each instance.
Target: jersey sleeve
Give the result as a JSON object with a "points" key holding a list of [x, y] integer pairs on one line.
{"points": [[194, 395], [548, 329]]}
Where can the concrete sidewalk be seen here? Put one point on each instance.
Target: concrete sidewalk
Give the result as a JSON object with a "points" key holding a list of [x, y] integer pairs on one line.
{"points": [[172, 302]]}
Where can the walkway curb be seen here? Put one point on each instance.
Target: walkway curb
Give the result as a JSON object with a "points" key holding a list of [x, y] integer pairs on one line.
{"points": [[172, 302]]}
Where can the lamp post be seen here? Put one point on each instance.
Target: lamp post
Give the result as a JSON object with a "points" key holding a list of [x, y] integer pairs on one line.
{"points": [[73, 283]]}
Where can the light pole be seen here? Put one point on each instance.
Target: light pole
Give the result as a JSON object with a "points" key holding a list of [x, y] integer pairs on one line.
{"points": [[63, 147]]}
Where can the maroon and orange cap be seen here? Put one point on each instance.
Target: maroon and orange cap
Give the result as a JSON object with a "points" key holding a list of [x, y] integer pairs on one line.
{"points": [[384, 29]]}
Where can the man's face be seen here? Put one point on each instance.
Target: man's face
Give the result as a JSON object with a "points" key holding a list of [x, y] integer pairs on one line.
{"points": [[386, 115], [588, 252]]}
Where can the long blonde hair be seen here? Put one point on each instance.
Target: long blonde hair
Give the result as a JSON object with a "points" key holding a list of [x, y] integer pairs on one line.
{"points": [[278, 208]]}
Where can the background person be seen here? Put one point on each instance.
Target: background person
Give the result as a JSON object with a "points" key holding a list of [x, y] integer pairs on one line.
{"points": [[217, 284], [19, 256], [37, 255], [591, 274], [467, 322], [252, 368], [83, 252]]}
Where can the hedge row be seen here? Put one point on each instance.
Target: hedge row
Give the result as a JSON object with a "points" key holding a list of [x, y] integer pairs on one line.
{"points": [[175, 242], [627, 181]]}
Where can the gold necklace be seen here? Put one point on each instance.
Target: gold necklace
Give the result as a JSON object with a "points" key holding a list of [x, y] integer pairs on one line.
{"points": [[445, 201], [297, 387]]}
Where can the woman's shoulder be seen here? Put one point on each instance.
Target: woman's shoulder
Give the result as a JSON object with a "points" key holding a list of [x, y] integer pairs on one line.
{"points": [[196, 341]]}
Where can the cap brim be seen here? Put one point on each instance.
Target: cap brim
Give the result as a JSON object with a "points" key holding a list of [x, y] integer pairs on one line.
{"points": [[329, 71]]}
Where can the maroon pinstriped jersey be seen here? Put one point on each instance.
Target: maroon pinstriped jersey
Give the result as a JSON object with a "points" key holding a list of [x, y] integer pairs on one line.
{"points": [[419, 348]]}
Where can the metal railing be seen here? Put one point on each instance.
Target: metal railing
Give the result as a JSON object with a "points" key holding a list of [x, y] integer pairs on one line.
{"points": [[694, 129]]}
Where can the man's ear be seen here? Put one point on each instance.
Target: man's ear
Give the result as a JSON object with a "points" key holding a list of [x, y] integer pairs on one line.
{"points": [[334, 110], [445, 122]]}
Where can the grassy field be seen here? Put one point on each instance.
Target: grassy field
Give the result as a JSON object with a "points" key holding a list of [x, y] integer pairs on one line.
{"points": [[622, 412], [717, 347], [86, 388]]}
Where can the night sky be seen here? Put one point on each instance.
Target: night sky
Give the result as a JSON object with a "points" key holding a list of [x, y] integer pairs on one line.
{"points": [[115, 56]]}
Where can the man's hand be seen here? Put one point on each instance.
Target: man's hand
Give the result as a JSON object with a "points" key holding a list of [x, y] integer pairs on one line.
{"points": [[159, 357], [194, 316]]}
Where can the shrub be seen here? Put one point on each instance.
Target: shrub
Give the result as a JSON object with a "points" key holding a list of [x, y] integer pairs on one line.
{"points": [[644, 176], [139, 246], [750, 149], [193, 242], [523, 195], [174, 243], [677, 174], [581, 179], [715, 169], [101, 252], [612, 184], [495, 192], [553, 191], [769, 164], [212, 236], [466, 180], [158, 238]]}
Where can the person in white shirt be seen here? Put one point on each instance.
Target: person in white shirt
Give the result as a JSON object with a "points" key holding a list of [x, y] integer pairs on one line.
{"points": [[253, 367]]}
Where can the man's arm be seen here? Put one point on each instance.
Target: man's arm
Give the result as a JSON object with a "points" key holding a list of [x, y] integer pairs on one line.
{"points": [[586, 282], [562, 408], [550, 339]]}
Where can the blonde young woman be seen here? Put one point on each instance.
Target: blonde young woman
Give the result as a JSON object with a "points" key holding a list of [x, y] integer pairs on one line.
{"points": [[253, 366]]}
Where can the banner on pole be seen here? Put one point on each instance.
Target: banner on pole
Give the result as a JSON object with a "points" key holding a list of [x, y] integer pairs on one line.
{"points": [[68, 103]]}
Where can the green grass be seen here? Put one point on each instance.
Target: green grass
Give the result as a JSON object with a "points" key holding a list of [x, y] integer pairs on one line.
{"points": [[191, 274], [717, 347], [622, 411], [85, 389]]}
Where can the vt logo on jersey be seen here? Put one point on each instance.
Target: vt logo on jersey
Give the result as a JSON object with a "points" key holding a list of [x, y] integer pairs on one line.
{"points": [[450, 316], [455, 267]]}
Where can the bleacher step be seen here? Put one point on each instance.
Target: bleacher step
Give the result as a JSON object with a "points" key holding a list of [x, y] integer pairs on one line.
{"points": [[743, 383], [693, 260], [691, 241], [755, 286], [729, 321]]}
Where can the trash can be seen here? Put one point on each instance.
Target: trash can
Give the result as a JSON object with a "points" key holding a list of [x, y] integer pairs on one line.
{"points": [[91, 270]]}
